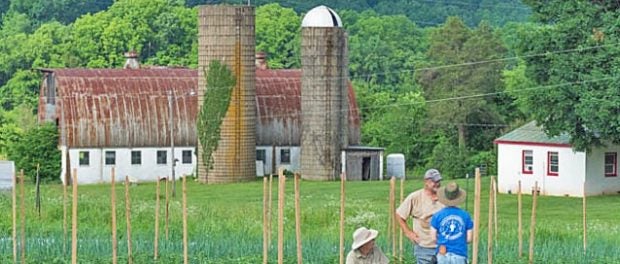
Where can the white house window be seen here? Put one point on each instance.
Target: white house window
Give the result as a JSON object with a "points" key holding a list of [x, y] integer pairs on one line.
{"points": [[162, 157], [260, 155], [611, 164], [110, 157], [285, 156], [527, 162], [84, 158], [186, 156], [553, 164], [136, 157]]}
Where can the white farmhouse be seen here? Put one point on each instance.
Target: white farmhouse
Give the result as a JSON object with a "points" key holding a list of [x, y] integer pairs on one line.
{"points": [[528, 155]]}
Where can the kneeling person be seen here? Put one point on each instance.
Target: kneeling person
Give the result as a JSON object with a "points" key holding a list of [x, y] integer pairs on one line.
{"points": [[364, 250]]}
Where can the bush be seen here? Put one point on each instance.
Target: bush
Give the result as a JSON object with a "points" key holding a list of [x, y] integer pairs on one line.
{"points": [[38, 145]]}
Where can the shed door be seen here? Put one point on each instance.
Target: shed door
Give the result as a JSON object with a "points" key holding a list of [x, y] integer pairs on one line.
{"points": [[365, 168]]}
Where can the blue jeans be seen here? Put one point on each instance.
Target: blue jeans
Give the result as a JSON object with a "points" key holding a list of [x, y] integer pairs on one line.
{"points": [[423, 255], [451, 258]]}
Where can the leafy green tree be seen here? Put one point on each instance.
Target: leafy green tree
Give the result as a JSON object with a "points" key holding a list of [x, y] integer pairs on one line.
{"points": [[573, 60], [452, 81], [38, 145], [63, 11], [162, 32], [278, 34], [383, 50]]}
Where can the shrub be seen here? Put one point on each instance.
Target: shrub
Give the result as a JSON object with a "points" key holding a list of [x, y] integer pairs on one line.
{"points": [[38, 145]]}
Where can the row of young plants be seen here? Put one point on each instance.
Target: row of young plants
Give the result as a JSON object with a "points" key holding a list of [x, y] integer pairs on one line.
{"points": [[225, 224]]}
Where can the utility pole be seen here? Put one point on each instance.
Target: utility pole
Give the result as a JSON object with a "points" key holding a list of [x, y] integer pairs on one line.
{"points": [[170, 104]]}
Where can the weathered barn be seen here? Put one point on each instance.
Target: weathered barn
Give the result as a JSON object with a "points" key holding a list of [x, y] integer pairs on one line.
{"points": [[121, 118]]}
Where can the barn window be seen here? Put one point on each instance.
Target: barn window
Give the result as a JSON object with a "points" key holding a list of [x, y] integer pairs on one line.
{"points": [[136, 157], [285, 156], [611, 164], [162, 157], [186, 157], [110, 157], [553, 164], [84, 158], [261, 155], [527, 162]]}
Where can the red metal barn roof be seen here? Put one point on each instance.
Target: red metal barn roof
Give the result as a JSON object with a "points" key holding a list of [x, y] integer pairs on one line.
{"points": [[278, 107], [129, 107], [122, 107]]}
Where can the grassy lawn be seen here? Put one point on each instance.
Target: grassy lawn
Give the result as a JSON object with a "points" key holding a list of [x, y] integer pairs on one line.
{"points": [[225, 224]]}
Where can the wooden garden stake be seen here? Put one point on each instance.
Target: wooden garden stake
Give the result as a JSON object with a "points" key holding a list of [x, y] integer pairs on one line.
{"points": [[14, 218], [113, 209], [22, 216], [393, 218], [185, 219], [167, 206], [343, 179], [400, 233], [298, 219], [519, 222], [533, 222], [155, 242], [265, 221], [269, 204], [281, 188], [490, 223], [64, 215], [474, 257], [128, 218], [38, 191], [495, 231], [585, 226], [74, 223]]}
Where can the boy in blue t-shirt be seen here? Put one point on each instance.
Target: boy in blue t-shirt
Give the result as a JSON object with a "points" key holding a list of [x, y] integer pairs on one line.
{"points": [[451, 226]]}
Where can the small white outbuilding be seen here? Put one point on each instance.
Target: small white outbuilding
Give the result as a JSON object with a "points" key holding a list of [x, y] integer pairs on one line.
{"points": [[528, 155]]}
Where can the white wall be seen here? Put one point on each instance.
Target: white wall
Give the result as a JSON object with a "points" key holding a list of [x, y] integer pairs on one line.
{"points": [[596, 182], [292, 166], [568, 182], [98, 172]]}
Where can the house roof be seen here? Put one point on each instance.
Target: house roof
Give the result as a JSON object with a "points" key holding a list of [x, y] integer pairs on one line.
{"points": [[531, 133], [130, 108]]}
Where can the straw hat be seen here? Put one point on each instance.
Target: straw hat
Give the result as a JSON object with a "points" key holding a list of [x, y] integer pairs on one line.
{"points": [[362, 236], [451, 194]]}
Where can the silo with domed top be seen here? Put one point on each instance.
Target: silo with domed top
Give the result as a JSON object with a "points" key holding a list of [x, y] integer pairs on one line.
{"points": [[324, 94]]}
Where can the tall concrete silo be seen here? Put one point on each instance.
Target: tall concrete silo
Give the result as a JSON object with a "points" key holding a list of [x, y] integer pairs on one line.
{"points": [[226, 33], [324, 95]]}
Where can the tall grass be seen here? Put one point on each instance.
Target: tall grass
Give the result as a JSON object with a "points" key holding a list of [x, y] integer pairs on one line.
{"points": [[225, 224]]}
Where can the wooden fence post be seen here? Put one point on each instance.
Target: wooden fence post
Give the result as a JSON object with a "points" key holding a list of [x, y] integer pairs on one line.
{"points": [[74, 225], [474, 256], [156, 241], [113, 213], [128, 218], [533, 222]]}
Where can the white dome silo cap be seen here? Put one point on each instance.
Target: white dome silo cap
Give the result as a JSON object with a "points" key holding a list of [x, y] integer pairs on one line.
{"points": [[321, 16]]}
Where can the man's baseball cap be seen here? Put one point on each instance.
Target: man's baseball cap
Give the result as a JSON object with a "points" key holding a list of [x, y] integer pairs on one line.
{"points": [[433, 175]]}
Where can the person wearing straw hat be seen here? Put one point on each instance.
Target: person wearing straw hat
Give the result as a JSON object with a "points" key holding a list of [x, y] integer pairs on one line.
{"points": [[364, 250], [420, 206], [452, 226]]}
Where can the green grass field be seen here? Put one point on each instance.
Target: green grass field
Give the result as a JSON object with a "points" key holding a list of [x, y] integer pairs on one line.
{"points": [[225, 224]]}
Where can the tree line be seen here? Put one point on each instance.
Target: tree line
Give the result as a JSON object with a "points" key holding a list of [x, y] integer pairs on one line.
{"points": [[439, 92]]}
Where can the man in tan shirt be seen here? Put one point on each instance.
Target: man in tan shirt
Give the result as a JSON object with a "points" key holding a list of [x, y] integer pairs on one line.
{"points": [[421, 205]]}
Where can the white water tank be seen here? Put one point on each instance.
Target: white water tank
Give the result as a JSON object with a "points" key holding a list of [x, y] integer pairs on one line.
{"points": [[396, 165]]}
